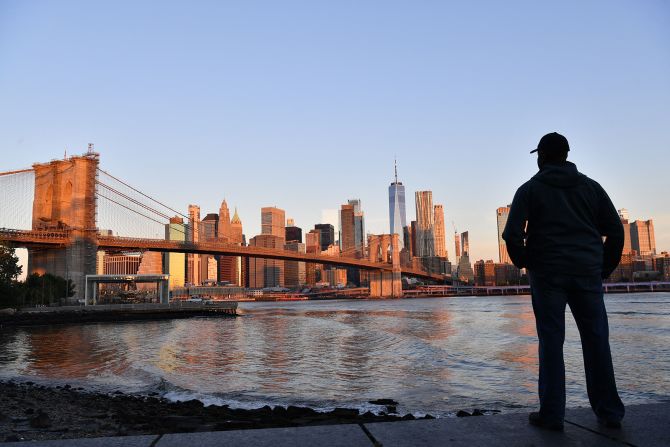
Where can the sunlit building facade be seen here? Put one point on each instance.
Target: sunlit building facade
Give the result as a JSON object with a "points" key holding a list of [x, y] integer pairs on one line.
{"points": [[502, 214], [175, 263], [642, 237], [440, 233], [425, 220]]}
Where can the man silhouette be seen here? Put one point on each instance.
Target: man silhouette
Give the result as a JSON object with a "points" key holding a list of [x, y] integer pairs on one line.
{"points": [[564, 229]]}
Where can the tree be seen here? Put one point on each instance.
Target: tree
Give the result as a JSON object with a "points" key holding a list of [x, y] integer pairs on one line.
{"points": [[47, 289], [9, 271]]}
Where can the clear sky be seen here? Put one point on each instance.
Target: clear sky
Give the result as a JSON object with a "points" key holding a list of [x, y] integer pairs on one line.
{"points": [[304, 105]]}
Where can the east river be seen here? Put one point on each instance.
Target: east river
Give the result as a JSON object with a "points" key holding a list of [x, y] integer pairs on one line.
{"points": [[433, 355]]}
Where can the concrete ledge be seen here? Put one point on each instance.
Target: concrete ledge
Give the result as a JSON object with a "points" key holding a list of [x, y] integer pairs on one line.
{"points": [[644, 425], [348, 435], [120, 441]]}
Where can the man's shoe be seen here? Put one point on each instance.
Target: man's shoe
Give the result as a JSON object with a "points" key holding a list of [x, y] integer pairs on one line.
{"points": [[535, 419], [609, 423]]}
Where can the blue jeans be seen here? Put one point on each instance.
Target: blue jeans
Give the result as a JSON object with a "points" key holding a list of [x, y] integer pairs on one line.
{"points": [[584, 295]]}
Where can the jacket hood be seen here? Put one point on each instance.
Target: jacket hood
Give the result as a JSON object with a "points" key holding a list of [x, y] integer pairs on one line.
{"points": [[560, 175]]}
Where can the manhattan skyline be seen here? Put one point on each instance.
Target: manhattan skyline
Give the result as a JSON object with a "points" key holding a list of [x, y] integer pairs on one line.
{"points": [[306, 109]]}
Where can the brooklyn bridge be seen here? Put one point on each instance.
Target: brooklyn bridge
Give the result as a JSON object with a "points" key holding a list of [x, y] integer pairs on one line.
{"points": [[62, 229]]}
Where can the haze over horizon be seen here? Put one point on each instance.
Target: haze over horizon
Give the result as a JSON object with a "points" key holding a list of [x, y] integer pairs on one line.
{"points": [[305, 106]]}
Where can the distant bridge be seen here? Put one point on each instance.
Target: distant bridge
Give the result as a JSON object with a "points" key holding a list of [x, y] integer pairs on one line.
{"points": [[64, 236]]}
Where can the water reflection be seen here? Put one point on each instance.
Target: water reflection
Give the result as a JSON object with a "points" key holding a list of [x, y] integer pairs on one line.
{"points": [[433, 355]]}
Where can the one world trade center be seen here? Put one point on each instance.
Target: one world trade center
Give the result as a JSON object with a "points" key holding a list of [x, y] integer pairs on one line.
{"points": [[397, 207]]}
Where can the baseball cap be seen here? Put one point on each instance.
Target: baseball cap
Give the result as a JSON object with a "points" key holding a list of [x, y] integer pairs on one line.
{"points": [[552, 142]]}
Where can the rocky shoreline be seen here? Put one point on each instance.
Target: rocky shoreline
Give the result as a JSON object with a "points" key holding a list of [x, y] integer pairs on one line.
{"points": [[30, 411]]}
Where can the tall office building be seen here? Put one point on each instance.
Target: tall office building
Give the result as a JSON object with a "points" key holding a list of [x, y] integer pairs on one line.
{"points": [[502, 214], [237, 237], [227, 265], [273, 221], [465, 243], [627, 243], [359, 224], [643, 240], [457, 245], [293, 233], [266, 272], [312, 245], [294, 271], [327, 235], [175, 263], [397, 215], [425, 216], [208, 233], [193, 235], [440, 233], [347, 229], [236, 231]]}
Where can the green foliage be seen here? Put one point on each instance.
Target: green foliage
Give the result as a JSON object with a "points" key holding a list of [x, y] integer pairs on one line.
{"points": [[46, 289], [36, 290], [9, 271]]}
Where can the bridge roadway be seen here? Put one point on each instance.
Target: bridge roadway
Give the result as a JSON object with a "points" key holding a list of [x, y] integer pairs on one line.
{"points": [[61, 238]]}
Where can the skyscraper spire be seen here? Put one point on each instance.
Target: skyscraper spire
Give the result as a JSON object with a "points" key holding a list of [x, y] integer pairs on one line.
{"points": [[395, 166]]}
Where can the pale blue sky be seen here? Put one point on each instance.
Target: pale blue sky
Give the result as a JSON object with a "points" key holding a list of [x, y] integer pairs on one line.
{"points": [[303, 105]]}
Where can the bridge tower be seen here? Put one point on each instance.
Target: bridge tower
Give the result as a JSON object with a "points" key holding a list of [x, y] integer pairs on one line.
{"points": [[65, 200], [385, 248]]}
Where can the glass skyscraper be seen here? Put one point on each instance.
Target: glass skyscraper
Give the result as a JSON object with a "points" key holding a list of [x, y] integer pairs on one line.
{"points": [[502, 214], [397, 208]]}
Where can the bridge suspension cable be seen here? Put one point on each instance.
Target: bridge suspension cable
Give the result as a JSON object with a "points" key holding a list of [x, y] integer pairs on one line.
{"points": [[143, 194], [123, 204]]}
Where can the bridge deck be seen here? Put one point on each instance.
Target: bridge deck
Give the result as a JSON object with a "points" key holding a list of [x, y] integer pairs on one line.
{"points": [[61, 238]]}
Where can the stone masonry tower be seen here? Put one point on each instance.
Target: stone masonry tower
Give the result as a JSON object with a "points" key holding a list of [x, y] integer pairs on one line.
{"points": [[65, 200]]}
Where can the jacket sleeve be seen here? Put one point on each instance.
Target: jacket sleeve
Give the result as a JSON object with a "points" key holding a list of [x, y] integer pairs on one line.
{"points": [[610, 226], [514, 233]]}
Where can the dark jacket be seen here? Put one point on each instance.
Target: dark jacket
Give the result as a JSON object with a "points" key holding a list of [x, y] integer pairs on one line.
{"points": [[568, 214]]}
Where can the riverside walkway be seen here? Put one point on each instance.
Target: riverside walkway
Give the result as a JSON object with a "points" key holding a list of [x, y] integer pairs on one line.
{"points": [[644, 425]]}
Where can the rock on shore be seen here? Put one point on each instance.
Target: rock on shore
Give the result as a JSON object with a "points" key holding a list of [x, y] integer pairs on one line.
{"points": [[34, 412]]}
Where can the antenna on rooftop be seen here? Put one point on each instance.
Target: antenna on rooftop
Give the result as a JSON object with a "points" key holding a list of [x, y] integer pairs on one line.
{"points": [[395, 166]]}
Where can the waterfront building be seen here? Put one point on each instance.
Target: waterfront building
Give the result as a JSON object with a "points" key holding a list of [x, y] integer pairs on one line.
{"points": [[662, 265], [193, 269], [506, 274], [464, 272], [335, 277], [425, 224], [127, 264], [440, 233], [175, 263], [502, 214], [327, 235], [266, 272], [295, 271], [397, 215], [642, 237], [484, 273], [273, 221]]}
